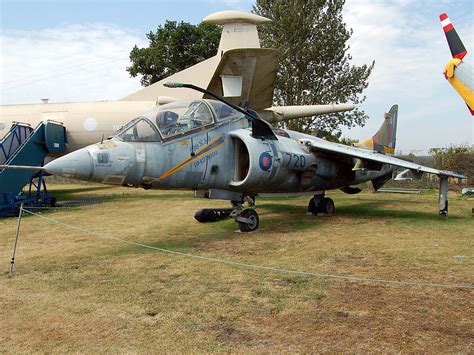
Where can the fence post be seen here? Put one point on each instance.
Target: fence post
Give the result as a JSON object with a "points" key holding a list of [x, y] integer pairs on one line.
{"points": [[12, 262]]}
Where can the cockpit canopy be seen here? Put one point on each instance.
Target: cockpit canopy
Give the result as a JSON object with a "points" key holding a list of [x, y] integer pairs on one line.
{"points": [[176, 119]]}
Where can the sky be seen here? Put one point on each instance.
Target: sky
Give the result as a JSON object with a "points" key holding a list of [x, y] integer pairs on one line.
{"points": [[78, 51]]}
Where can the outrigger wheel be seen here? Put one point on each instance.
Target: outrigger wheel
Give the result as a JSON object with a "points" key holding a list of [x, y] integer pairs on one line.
{"points": [[248, 220]]}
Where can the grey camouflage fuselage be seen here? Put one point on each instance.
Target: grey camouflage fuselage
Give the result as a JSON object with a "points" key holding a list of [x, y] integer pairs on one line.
{"points": [[224, 157]]}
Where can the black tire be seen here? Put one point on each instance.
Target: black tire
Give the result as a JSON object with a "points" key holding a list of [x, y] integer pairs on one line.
{"points": [[327, 206], [312, 207], [53, 202], [253, 217]]}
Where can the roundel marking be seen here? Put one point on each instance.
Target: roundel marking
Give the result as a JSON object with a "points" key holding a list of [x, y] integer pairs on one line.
{"points": [[90, 124], [265, 161]]}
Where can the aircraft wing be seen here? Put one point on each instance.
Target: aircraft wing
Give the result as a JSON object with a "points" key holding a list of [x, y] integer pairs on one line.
{"points": [[320, 145]]}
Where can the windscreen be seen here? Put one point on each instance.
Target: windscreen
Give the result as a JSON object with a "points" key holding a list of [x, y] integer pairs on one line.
{"points": [[175, 119], [139, 130]]}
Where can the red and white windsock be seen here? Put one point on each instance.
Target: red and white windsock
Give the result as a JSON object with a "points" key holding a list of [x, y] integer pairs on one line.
{"points": [[455, 44]]}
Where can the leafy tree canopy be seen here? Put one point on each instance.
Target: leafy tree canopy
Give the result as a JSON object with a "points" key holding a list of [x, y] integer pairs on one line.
{"points": [[173, 47], [458, 158], [314, 60]]}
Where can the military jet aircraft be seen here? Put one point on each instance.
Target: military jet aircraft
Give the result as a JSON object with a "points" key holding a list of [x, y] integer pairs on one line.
{"points": [[227, 152], [458, 73]]}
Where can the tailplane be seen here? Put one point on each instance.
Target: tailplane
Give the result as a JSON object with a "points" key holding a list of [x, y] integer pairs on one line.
{"points": [[385, 139]]}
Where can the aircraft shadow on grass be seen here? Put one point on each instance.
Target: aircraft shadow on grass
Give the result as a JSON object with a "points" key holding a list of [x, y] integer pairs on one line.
{"points": [[288, 219]]}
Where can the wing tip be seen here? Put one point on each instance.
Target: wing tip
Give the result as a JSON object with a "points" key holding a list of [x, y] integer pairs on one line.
{"points": [[460, 55], [454, 41]]}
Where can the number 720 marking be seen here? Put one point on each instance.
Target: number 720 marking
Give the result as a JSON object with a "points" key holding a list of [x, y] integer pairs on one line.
{"points": [[295, 160]]}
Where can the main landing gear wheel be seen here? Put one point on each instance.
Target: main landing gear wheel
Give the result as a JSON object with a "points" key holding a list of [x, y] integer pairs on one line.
{"points": [[251, 220], [327, 206], [321, 205]]}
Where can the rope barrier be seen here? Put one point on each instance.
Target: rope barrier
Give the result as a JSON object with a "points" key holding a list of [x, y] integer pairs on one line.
{"points": [[255, 266]]}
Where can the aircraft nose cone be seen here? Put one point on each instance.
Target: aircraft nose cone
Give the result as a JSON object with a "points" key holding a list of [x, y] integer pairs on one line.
{"points": [[77, 165]]}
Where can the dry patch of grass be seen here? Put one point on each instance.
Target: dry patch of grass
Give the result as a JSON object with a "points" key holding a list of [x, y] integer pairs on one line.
{"points": [[75, 292]]}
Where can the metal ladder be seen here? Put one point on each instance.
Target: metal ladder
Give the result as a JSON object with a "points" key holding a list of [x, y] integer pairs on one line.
{"points": [[27, 147], [9, 144]]}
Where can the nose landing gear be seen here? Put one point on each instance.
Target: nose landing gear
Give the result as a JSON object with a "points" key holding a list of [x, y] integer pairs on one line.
{"points": [[246, 218]]}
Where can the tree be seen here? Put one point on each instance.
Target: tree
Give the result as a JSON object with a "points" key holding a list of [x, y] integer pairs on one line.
{"points": [[458, 158], [172, 48], [314, 60]]}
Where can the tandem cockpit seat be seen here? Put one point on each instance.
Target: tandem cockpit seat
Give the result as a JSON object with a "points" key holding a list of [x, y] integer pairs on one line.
{"points": [[167, 122]]}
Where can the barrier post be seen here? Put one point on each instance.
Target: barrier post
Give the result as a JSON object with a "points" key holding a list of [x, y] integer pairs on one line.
{"points": [[12, 262]]}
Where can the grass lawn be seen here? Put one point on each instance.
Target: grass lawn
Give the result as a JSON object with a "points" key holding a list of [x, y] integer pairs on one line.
{"points": [[75, 292]]}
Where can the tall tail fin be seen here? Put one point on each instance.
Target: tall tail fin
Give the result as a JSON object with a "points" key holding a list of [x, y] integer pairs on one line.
{"points": [[385, 139], [455, 44]]}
